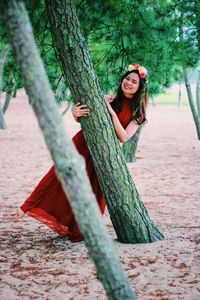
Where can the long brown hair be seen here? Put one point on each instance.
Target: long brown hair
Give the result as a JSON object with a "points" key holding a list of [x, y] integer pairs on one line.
{"points": [[139, 99]]}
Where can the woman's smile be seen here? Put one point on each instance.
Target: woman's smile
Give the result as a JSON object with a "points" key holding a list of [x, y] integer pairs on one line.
{"points": [[126, 86]]}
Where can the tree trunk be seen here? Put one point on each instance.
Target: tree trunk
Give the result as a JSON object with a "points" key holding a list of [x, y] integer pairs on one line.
{"points": [[61, 90], [179, 94], [153, 101], [69, 165], [66, 109], [130, 147], [3, 55], [6, 102], [2, 120], [128, 214], [198, 94], [192, 104], [197, 24], [9, 93]]}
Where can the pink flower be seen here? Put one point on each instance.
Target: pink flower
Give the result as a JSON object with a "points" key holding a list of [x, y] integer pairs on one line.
{"points": [[137, 67], [142, 75]]}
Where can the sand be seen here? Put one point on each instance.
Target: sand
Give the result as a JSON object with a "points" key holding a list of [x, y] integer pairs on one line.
{"points": [[38, 264]]}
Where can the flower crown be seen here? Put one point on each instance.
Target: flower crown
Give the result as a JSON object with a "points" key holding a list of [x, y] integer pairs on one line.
{"points": [[142, 70]]}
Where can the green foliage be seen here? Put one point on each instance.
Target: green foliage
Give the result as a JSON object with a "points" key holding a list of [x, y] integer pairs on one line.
{"points": [[161, 35]]}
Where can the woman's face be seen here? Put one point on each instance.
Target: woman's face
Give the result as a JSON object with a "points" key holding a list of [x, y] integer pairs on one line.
{"points": [[130, 84]]}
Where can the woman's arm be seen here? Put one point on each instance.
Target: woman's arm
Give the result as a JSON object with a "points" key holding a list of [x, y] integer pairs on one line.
{"points": [[79, 110], [123, 134]]}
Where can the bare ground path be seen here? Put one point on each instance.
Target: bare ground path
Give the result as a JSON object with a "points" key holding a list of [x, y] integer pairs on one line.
{"points": [[38, 264]]}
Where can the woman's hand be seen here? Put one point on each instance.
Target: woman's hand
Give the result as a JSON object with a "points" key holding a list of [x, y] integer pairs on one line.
{"points": [[108, 99], [79, 110]]}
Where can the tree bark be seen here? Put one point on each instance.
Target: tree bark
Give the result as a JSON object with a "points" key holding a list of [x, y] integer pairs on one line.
{"points": [[9, 93], [198, 94], [128, 214], [192, 104], [130, 147], [3, 55], [197, 24], [69, 165], [2, 120], [153, 101], [179, 94]]}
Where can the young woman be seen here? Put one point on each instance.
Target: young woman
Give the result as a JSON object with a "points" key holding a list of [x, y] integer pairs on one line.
{"points": [[48, 202]]}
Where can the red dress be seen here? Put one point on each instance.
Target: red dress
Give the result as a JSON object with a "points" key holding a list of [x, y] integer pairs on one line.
{"points": [[48, 202]]}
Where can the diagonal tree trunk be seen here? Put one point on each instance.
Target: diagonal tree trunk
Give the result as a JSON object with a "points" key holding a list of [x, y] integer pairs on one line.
{"points": [[130, 147], [192, 104], [68, 163], [128, 214]]}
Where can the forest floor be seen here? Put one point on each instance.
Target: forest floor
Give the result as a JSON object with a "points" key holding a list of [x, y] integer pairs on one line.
{"points": [[38, 264]]}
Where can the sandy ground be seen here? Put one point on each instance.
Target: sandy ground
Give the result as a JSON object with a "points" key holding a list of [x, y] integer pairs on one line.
{"points": [[38, 264]]}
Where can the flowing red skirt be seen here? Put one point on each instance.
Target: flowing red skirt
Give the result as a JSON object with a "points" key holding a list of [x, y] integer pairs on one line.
{"points": [[49, 204]]}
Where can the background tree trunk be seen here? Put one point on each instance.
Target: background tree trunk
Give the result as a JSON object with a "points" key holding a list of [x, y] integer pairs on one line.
{"points": [[3, 55], [69, 165], [192, 104], [179, 94], [198, 94], [153, 101], [9, 93], [2, 120], [130, 147], [128, 214]]}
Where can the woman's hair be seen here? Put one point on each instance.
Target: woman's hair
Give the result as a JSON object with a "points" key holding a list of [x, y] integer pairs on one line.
{"points": [[139, 99]]}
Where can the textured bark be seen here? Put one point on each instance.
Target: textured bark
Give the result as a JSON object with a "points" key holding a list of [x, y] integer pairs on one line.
{"points": [[192, 104], [130, 147], [128, 214], [69, 165]]}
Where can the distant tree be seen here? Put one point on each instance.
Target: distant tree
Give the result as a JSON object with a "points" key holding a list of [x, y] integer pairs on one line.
{"points": [[194, 109], [10, 92], [187, 14], [3, 56]]}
